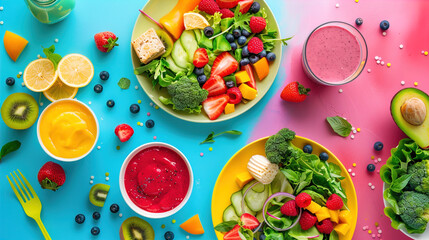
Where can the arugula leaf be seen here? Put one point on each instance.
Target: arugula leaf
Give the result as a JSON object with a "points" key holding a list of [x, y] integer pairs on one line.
{"points": [[54, 57], [213, 135], [9, 147], [225, 226], [340, 125], [124, 83]]}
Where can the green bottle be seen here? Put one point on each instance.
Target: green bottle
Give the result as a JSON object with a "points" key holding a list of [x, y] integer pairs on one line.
{"points": [[50, 11]]}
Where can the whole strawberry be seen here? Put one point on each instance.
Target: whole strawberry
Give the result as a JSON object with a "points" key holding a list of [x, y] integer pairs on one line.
{"points": [[334, 202], [307, 220], [105, 41], [257, 24], [294, 92], [325, 226], [289, 208], [208, 6], [51, 176]]}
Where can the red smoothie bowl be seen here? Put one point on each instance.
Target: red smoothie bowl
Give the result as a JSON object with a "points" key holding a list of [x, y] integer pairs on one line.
{"points": [[156, 180]]}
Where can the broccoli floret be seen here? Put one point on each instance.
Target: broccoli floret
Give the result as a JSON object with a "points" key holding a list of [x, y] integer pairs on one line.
{"points": [[420, 178], [186, 94], [279, 146], [414, 209]]}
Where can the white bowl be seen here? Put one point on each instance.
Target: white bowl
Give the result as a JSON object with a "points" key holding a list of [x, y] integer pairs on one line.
{"points": [[124, 193], [43, 146]]}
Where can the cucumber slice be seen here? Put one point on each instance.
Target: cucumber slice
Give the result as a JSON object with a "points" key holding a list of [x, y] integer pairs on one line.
{"points": [[189, 44], [198, 34], [179, 55], [173, 65], [260, 216], [236, 204], [255, 201], [281, 184], [229, 214], [257, 188]]}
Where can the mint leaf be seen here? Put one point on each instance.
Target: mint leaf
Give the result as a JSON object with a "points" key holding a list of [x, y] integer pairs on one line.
{"points": [[54, 57], [212, 135], [225, 226], [400, 183], [9, 147], [340, 125], [124, 83]]}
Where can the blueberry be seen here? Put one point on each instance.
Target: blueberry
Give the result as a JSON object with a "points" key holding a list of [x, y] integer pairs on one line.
{"points": [[262, 54], [150, 123], [308, 148], [202, 79], [80, 218], [96, 215], [199, 71], [255, 7], [245, 52], [114, 208], [98, 88], [95, 231], [110, 103], [169, 235], [104, 75], [10, 81], [384, 25], [134, 108], [370, 167], [229, 84], [359, 21], [324, 156], [229, 37], [208, 31], [233, 46], [236, 33], [241, 40], [378, 146], [245, 33], [244, 61], [253, 58], [271, 56]]}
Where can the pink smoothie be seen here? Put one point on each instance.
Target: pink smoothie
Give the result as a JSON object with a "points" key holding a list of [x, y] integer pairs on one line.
{"points": [[333, 53]]}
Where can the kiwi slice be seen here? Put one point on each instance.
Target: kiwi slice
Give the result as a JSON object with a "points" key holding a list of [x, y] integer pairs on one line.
{"points": [[98, 194], [19, 111], [166, 40], [135, 228]]}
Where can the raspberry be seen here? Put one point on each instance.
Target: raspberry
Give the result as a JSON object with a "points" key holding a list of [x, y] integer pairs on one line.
{"points": [[289, 208], [307, 220], [208, 6], [257, 24], [226, 13], [325, 226], [235, 95], [334, 202], [303, 200], [255, 45]]}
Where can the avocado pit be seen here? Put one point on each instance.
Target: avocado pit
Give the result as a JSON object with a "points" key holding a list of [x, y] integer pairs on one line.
{"points": [[413, 111]]}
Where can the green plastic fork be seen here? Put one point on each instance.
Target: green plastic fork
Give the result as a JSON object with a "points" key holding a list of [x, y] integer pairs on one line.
{"points": [[30, 203]]}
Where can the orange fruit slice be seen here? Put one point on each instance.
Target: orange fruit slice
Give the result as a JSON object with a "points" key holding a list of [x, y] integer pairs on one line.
{"points": [[194, 21], [40, 75], [193, 225], [14, 44]]}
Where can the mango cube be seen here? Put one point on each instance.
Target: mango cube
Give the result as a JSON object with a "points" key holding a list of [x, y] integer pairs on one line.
{"points": [[262, 68], [241, 77], [313, 207], [243, 179], [342, 229], [322, 214], [230, 108], [334, 215], [248, 92], [345, 216]]}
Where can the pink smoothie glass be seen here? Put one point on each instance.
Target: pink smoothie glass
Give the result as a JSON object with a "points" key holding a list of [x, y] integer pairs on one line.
{"points": [[335, 53]]}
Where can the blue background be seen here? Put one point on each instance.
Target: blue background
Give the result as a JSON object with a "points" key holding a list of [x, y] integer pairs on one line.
{"points": [[75, 35]]}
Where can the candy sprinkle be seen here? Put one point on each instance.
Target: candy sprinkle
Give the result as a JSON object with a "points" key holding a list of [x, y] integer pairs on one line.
{"points": [[337, 5], [56, 40], [356, 1], [138, 123], [210, 149], [148, 114], [376, 224], [154, 137], [118, 147], [139, 101], [384, 33], [120, 214], [201, 154], [369, 70], [163, 226], [1, 8], [349, 170], [376, 57], [352, 136], [388, 65], [402, 83], [372, 187], [378, 61], [1, 22], [187, 236], [416, 84], [401, 46], [370, 184], [173, 221], [426, 53], [379, 231], [151, 104], [98, 147], [91, 182], [106, 174], [92, 177], [340, 90], [382, 63], [136, 87], [358, 129], [372, 157], [141, 124], [353, 174], [354, 164], [156, 107], [373, 235], [369, 231], [107, 178]]}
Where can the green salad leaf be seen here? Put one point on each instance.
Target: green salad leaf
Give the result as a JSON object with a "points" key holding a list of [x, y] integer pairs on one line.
{"points": [[340, 125], [124, 83], [225, 226], [245, 234], [209, 138], [54, 57], [9, 147]]}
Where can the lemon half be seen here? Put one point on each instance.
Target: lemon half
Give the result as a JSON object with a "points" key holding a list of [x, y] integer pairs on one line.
{"points": [[75, 70], [40, 75]]}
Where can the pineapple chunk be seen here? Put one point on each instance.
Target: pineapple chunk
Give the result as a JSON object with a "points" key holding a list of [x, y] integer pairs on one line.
{"points": [[334, 215], [243, 179], [313, 207], [322, 214], [342, 229]]}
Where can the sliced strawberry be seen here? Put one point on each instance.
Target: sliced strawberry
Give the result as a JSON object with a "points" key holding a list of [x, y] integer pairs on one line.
{"points": [[245, 5], [249, 221], [224, 64], [249, 70], [215, 86], [214, 106], [232, 234], [200, 58], [227, 3], [124, 132]]}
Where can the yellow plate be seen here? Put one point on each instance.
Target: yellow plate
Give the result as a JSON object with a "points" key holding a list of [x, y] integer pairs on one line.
{"points": [[225, 185]]}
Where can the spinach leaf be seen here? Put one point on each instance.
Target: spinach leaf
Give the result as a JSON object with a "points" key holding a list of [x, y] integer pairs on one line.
{"points": [[124, 83], [9, 147], [225, 226], [340, 125]]}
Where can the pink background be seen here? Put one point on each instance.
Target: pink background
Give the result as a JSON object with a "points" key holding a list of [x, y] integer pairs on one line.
{"points": [[366, 101]]}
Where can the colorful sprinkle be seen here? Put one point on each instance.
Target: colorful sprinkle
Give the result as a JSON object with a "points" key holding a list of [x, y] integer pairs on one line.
{"points": [[56, 40], [138, 123], [163, 226], [416, 84], [402, 83], [378, 171], [92, 177], [1, 8], [120, 214], [156, 107], [18, 75], [89, 102], [210, 149], [372, 157], [369, 231], [379, 235], [378, 61], [379, 159], [148, 114], [382, 63], [337, 5], [91, 182], [401, 46], [106, 174], [340, 90], [369, 70], [354, 164], [173, 221], [384, 33], [41, 104], [426, 53], [187, 236], [98, 147], [136, 87], [107, 178], [118, 147], [352, 136], [141, 124], [154, 137], [353, 174], [151, 104], [356, 1], [373, 235], [379, 231], [1, 22], [388, 65], [372, 187], [376, 58], [38, 56], [201, 154], [358, 129], [354, 131], [370, 184], [349, 170], [139, 101]]}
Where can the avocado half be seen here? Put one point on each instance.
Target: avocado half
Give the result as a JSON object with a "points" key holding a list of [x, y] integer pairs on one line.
{"points": [[419, 132]]}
